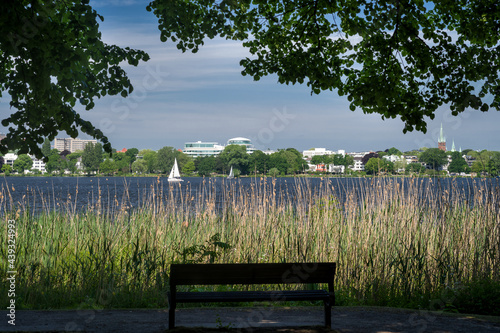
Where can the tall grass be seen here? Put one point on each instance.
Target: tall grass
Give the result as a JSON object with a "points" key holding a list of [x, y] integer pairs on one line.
{"points": [[395, 243]]}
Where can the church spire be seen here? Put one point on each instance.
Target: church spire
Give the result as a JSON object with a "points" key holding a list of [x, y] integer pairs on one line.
{"points": [[442, 139], [441, 135]]}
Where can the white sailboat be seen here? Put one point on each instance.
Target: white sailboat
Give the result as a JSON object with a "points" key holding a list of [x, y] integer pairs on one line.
{"points": [[231, 174], [175, 176]]}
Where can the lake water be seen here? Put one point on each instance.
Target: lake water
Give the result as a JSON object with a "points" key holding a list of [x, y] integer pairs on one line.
{"points": [[79, 193]]}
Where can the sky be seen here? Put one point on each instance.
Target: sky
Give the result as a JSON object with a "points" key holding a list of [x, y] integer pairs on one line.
{"points": [[184, 97]]}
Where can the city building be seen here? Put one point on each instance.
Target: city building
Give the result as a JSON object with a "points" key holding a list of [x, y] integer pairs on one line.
{"points": [[336, 168], [308, 154], [38, 164], [392, 158], [9, 158], [242, 142], [200, 149], [411, 159], [71, 144], [269, 151], [358, 161]]}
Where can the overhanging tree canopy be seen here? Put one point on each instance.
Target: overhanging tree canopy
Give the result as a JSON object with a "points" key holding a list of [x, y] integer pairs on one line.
{"points": [[51, 59], [393, 57]]}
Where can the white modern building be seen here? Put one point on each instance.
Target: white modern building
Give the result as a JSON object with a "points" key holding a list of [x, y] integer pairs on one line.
{"points": [[38, 164], [269, 151], [9, 158], [200, 149], [308, 154], [71, 144], [358, 164], [392, 158], [411, 159], [242, 142]]}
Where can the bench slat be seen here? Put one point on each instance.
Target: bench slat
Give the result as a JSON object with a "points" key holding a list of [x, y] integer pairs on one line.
{"points": [[267, 273], [251, 296]]}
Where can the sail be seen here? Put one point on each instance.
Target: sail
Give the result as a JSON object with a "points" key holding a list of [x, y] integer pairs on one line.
{"points": [[231, 174], [174, 173], [175, 170]]}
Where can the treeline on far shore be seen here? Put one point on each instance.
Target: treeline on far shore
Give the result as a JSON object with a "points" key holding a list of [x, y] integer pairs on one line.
{"points": [[285, 162]]}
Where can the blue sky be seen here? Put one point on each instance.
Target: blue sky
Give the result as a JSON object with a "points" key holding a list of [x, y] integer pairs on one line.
{"points": [[181, 97]]}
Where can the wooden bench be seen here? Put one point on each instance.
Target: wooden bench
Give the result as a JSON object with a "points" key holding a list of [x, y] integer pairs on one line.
{"points": [[231, 274]]}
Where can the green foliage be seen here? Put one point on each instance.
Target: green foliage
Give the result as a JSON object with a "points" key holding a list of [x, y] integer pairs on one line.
{"points": [[205, 165], [493, 166], [458, 163], [486, 161], [274, 172], [23, 162], [466, 151], [140, 166], [400, 165], [414, 168], [434, 157], [406, 60], [7, 169], [182, 159], [74, 156], [258, 162], [477, 296], [477, 167], [51, 59], [337, 159], [235, 156], [132, 153], [293, 160], [108, 167], [54, 162], [151, 158], [92, 156], [208, 252], [165, 159], [374, 166], [188, 168], [279, 162], [321, 159], [46, 147], [122, 162], [394, 151]]}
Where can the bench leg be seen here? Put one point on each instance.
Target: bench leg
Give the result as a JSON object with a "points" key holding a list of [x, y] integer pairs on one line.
{"points": [[171, 317], [328, 315]]}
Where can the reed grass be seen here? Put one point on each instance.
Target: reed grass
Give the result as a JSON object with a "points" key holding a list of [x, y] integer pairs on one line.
{"points": [[395, 243]]}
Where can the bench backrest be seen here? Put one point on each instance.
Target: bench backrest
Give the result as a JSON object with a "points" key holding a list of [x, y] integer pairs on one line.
{"points": [[208, 274]]}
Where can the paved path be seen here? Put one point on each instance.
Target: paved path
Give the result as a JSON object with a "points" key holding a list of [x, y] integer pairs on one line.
{"points": [[344, 319]]}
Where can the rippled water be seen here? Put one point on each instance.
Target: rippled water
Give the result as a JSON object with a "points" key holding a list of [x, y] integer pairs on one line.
{"points": [[77, 193]]}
